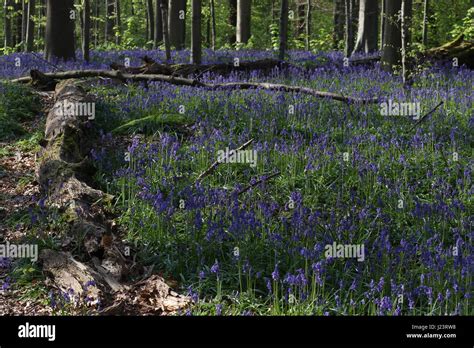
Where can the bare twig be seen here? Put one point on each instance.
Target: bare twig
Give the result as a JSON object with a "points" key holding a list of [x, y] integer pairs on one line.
{"points": [[216, 163], [258, 182], [425, 116]]}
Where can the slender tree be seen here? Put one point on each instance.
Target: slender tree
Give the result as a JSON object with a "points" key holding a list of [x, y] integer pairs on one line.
{"points": [[118, 22], [24, 22], [392, 35], [196, 32], [243, 20], [30, 27], [164, 21], [59, 30], [109, 20], [382, 22], [212, 9], [367, 26], [7, 23], [283, 28], [158, 26], [338, 20], [177, 23], [308, 25], [425, 22], [86, 30]]}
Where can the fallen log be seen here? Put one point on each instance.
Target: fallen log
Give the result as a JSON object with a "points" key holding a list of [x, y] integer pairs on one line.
{"points": [[459, 48], [64, 175], [184, 70], [181, 81]]}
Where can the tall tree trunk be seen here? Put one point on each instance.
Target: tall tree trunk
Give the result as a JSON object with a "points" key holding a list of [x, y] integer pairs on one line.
{"points": [[196, 32], [308, 25], [244, 8], [349, 36], [118, 22], [87, 30], [158, 26], [7, 24], [367, 27], [213, 24], [392, 35], [177, 23], [425, 22], [403, 23], [164, 22], [283, 28], [301, 18], [96, 23], [24, 23], [30, 27], [59, 30], [339, 15], [18, 26], [382, 22], [233, 21], [109, 22], [151, 19], [42, 15]]}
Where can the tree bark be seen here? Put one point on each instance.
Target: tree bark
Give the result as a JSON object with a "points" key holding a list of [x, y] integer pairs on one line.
{"points": [[87, 30], [158, 38], [392, 35], [30, 30], [164, 22], [177, 23], [243, 33], [196, 32], [59, 30], [367, 26], [283, 28]]}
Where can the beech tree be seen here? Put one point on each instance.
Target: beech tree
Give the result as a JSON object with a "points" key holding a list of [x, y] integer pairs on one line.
{"points": [[30, 26], [177, 23], [367, 26], [196, 32], [243, 20], [60, 30], [283, 28]]}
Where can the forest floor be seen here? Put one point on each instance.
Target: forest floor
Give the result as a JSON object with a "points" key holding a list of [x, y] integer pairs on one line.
{"points": [[250, 239]]}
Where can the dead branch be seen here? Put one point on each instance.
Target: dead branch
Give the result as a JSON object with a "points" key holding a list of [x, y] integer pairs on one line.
{"points": [[216, 163], [181, 81], [258, 182]]}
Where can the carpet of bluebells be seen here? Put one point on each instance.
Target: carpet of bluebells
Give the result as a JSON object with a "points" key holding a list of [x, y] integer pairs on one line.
{"points": [[403, 191]]}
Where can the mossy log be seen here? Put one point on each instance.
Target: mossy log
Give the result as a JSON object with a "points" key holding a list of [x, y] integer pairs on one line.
{"points": [[460, 49]]}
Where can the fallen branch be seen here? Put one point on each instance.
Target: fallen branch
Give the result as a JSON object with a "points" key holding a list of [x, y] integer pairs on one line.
{"points": [[258, 182], [216, 163], [184, 70], [181, 81], [425, 116]]}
